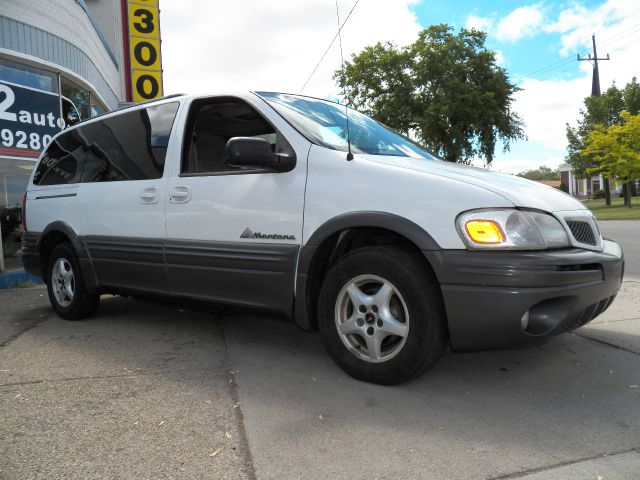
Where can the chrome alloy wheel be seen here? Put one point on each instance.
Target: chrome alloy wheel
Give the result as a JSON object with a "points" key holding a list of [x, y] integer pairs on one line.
{"points": [[63, 282], [372, 318]]}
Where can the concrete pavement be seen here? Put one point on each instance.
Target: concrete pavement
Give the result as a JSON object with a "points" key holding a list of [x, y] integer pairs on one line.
{"points": [[142, 390], [571, 404], [139, 391]]}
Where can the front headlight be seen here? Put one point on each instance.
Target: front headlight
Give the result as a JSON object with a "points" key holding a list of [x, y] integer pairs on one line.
{"points": [[511, 229]]}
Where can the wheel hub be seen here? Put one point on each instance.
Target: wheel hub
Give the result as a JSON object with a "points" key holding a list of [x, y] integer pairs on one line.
{"points": [[372, 318]]}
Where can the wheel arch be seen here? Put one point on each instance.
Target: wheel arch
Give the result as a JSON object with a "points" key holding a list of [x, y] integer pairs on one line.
{"points": [[341, 234], [59, 232]]}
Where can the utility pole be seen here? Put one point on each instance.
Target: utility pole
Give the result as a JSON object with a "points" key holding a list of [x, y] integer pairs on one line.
{"points": [[595, 92]]}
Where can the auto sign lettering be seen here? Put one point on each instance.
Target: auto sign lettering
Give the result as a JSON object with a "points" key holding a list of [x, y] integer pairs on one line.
{"points": [[29, 118]]}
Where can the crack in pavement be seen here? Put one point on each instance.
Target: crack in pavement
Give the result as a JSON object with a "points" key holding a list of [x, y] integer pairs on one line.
{"points": [[547, 468], [102, 377], [235, 395], [608, 344], [613, 321]]}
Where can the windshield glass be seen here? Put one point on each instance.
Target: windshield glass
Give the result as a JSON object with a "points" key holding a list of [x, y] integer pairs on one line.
{"points": [[325, 124]]}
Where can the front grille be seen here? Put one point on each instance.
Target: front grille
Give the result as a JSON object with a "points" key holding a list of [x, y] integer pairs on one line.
{"points": [[582, 232]]}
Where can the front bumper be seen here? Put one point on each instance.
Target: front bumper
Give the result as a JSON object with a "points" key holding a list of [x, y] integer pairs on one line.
{"points": [[487, 294]]}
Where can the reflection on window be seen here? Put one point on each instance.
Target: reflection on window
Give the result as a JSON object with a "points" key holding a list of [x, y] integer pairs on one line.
{"points": [[76, 102], [129, 146], [62, 162], [325, 124]]}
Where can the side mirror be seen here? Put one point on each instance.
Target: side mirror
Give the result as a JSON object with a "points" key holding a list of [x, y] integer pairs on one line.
{"points": [[250, 152]]}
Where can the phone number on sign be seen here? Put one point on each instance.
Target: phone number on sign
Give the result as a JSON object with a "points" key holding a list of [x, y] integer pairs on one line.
{"points": [[22, 139]]}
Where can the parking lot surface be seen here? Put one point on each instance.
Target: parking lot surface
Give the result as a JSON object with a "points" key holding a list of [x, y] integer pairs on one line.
{"points": [[152, 390]]}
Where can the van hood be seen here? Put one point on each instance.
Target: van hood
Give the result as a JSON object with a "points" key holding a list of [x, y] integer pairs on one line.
{"points": [[519, 191]]}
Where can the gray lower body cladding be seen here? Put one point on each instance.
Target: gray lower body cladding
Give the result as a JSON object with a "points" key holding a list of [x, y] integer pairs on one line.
{"points": [[513, 299], [254, 275]]}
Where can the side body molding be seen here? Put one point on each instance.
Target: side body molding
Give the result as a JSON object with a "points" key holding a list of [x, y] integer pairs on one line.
{"points": [[304, 316]]}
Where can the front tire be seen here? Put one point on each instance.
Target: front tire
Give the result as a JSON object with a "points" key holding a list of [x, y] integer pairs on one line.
{"points": [[380, 315], [66, 287]]}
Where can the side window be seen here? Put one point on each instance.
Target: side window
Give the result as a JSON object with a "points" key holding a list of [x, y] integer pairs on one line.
{"points": [[62, 163], [211, 124], [129, 146]]}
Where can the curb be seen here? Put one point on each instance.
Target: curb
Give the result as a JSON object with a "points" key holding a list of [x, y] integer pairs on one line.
{"points": [[17, 278]]}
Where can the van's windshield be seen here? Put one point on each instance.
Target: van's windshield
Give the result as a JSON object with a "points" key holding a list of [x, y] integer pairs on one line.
{"points": [[325, 124]]}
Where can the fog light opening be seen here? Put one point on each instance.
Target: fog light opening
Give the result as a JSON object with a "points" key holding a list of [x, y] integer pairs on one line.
{"points": [[546, 316], [524, 321]]}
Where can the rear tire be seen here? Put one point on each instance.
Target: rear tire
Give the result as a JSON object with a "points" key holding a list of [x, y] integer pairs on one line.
{"points": [[66, 287], [381, 316]]}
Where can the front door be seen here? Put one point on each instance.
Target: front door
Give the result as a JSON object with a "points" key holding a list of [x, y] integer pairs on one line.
{"points": [[233, 234]]}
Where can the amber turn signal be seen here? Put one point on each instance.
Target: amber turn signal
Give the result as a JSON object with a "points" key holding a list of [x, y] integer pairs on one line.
{"points": [[484, 231]]}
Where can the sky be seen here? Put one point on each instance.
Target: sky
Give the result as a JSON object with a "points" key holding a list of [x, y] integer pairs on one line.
{"points": [[231, 45]]}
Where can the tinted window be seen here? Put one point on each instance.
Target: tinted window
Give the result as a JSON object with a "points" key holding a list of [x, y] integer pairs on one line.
{"points": [[211, 124], [62, 162], [129, 146]]}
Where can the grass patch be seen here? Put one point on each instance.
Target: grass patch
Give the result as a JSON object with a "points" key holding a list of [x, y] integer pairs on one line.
{"points": [[617, 210]]}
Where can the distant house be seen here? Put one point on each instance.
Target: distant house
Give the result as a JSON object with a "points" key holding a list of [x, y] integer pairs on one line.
{"points": [[583, 187]]}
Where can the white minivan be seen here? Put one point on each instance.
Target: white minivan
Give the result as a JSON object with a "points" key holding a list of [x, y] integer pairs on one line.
{"points": [[288, 203]]}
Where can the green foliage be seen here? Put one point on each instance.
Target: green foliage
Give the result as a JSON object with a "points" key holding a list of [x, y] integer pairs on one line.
{"points": [[542, 173], [615, 150], [603, 110], [445, 88], [631, 96]]}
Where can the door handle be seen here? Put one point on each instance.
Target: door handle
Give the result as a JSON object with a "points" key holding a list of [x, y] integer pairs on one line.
{"points": [[149, 195], [180, 194]]}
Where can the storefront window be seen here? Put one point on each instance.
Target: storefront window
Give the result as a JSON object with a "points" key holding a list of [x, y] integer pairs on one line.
{"points": [[76, 101], [35, 111], [28, 76], [14, 175], [97, 108]]}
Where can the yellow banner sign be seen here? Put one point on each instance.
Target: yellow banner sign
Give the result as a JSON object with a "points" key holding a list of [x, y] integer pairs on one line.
{"points": [[144, 50]]}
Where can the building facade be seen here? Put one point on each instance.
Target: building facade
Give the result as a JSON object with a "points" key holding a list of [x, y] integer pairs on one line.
{"points": [[585, 187], [63, 61]]}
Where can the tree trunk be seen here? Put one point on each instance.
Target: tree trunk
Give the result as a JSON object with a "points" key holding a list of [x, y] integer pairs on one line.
{"points": [[607, 191], [627, 194]]}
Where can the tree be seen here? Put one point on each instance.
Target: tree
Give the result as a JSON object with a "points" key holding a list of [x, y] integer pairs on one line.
{"points": [[542, 173], [616, 150], [445, 89], [603, 110]]}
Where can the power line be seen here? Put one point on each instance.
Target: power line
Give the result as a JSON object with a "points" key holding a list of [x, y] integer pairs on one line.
{"points": [[330, 45], [568, 59]]}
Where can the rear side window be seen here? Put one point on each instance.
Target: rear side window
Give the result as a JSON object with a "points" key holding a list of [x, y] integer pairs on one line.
{"points": [[62, 162], [129, 146]]}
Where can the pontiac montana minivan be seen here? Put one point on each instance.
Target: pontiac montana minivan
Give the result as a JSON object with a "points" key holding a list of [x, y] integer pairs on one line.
{"points": [[274, 201]]}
